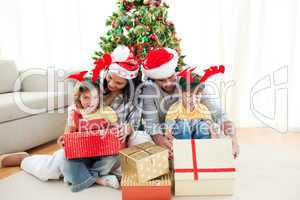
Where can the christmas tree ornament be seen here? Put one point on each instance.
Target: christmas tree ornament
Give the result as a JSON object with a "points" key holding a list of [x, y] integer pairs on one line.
{"points": [[152, 2], [139, 22], [128, 5], [122, 8], [153, 37], [125, 32], [142, 20], [156, 2], [147, 2], [114, 24], [119, 30], [127, 27]]}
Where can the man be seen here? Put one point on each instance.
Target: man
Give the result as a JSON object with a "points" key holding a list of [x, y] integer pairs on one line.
{"points": [[160, 92]]}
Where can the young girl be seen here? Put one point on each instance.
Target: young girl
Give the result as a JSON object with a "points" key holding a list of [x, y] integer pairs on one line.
{"points": [[84, 172], [188, 118]]}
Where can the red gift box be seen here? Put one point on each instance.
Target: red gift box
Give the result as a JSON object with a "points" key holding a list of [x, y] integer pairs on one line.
{"points": [[92, 124], [92, 143], [158, 189]]}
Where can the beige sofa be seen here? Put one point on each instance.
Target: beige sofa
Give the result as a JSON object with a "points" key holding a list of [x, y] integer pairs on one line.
{"points": [[30, 112]]}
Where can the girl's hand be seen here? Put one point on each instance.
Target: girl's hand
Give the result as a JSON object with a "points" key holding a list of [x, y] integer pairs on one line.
{"points": [[124, 131], [113, 125], [60, 141]]}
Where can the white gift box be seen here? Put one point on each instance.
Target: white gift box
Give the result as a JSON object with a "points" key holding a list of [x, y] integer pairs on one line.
{"points": [[203, 167]]}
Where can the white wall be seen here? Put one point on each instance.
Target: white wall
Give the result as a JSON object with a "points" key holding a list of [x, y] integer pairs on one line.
{"points": [[253, 38]]}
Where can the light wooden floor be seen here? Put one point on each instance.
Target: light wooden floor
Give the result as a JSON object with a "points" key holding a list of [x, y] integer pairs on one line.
{"points": [[286, 142], [48, 148]]}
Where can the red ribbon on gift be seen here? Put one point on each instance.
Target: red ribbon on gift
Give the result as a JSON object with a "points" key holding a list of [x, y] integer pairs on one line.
{"points": [[195, 168]]}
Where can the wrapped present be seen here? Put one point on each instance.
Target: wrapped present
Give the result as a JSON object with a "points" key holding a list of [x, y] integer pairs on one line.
{"points": [[203, 167], [92, 144], [92, 124], [158, 189], [144, 162]]}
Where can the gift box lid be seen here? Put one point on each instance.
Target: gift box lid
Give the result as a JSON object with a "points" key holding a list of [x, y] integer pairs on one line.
{"points": [[164, 180], [212, 159], [92, 143], [142, 151]]}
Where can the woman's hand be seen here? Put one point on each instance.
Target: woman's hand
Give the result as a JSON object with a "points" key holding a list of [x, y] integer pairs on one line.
{"points": [[60, 141], [124, 131]]}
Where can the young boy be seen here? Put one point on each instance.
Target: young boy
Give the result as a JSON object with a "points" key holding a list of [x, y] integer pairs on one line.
{"points": [[188, 118]]}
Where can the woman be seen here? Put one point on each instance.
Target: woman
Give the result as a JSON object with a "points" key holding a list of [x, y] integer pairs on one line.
{"points": [[118, 83]]}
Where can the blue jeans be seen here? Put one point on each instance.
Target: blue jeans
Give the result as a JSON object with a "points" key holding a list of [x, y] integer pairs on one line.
{"points": [[190, 129], [82, 173]]}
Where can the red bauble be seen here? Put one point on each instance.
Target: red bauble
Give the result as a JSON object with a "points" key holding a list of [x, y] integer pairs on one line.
{"points": [[157, 2], [128, 27], [153, 37], [114, 24], [152, 2], [128, 6]]}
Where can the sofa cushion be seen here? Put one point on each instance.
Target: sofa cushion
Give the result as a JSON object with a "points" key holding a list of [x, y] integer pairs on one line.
{"points": [[18, 105], [9, 75]]}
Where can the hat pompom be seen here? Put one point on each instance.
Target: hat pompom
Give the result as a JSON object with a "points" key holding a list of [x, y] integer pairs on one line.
{"points": [[121, 53]]}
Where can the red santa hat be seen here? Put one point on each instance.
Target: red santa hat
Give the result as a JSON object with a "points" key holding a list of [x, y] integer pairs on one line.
{"points": [[160, 63], [124, 64], [121, 62]]}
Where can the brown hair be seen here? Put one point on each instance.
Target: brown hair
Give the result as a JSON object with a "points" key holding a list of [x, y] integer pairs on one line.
{"points": [[79, 89]]}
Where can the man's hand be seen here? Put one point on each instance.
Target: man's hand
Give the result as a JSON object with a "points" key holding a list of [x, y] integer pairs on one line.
{"points": [[165, 142], [229, 130], [235, 147], [60, 141]]}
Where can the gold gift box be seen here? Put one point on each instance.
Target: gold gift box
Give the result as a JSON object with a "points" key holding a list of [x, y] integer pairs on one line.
{"points": [[144, 162]]}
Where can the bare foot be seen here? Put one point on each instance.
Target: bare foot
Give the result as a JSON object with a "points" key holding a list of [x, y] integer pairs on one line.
{"points": [[101, 181], [13, 159], [109, 180]]}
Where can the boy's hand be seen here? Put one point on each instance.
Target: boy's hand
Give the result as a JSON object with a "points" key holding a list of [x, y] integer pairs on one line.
{"points": [[164, 141], [228, 128], [60, 141]]}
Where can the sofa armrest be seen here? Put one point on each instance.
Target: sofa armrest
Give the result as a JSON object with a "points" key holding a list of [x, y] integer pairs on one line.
{"points": [[45, 80]]}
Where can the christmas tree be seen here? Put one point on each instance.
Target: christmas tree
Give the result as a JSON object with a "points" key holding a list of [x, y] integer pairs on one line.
{"points": [[139, 24]]}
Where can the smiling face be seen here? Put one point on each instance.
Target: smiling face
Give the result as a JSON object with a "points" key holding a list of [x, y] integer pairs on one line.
{"points": [[190, 98], [115, 82], [89, 99], [168, 84]]}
